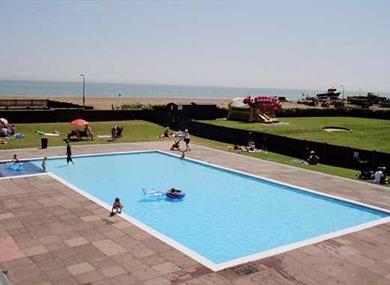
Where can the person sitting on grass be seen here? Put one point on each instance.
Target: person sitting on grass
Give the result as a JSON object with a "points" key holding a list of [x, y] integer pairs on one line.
{"points": [[117, 207], [10, 130], [116, 132], [88, 132], [113, 132], [378, 176], [166, 134], [75, 133], [384, 178], [119, 130], [313, 158]]}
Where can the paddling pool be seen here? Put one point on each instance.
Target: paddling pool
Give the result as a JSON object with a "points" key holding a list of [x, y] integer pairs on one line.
{"points": [[226, 217]]}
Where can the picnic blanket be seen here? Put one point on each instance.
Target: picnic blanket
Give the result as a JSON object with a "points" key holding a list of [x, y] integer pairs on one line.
{"points": [[104, 136]]}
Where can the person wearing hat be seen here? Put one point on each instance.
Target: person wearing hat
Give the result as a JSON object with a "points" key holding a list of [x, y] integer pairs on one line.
{"points": [[313, 158], [187, 139]]}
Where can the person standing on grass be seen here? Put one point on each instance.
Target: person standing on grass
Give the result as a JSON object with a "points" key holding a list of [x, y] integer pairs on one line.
{"points": [[68, 153]]}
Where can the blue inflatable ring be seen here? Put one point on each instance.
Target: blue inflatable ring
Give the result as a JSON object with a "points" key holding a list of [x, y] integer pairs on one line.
{"points": [[175, 196]]}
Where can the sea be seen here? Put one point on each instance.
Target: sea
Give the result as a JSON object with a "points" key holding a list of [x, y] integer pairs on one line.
{"points": [[114, 90]]}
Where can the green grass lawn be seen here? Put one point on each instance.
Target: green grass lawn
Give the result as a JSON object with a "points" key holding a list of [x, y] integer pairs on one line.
{"points": [[271, 156], [134, 131], [138, 131], [370, 134]]}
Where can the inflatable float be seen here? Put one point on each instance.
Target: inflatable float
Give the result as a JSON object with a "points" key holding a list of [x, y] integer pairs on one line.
{"points": [[171, 194], [152, 195], [42, 133], [175, 194], [254, 109], [15, 166]]}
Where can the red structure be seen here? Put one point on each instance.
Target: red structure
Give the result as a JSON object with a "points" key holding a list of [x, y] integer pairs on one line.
{"points": [[264, 104]]}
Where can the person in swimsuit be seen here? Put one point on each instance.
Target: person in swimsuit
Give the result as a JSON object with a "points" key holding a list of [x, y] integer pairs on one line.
{"points": [[68, 153], [117, 206]]}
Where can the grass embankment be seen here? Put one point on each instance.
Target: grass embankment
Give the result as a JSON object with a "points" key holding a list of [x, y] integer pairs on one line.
{"points": [[137, 131], [271, 156], [134, 131], [369, 134]]}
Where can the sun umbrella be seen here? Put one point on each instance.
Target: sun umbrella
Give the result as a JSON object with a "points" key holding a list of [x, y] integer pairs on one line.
{"points": [[79, 122], [4, 121]]}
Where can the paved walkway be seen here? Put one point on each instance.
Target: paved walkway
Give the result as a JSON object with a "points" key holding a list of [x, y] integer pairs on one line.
{"points": [[50, 234]]}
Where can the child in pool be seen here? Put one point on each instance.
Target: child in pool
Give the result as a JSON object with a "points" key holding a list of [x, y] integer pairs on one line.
{"points": [[15, 159], [44, 162]]}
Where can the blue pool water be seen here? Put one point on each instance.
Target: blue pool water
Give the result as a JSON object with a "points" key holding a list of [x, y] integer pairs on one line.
{"points": [[224, 216], [25, 169]]}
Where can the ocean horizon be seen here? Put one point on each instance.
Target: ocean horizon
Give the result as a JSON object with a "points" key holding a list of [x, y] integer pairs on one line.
{"points": [[132, 90]]}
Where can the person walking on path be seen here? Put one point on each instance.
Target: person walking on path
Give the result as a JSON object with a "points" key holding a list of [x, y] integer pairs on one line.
{"points": [[187, 140], [44, 163], [68, 153]]}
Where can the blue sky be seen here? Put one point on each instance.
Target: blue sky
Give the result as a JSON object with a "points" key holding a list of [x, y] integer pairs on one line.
{"points": [[282, 44]]}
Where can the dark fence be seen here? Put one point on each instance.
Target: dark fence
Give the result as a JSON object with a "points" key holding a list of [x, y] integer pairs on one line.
{"points": [[23, 103], [175, 120], [59, 104], [35, 104], [329, 154]]}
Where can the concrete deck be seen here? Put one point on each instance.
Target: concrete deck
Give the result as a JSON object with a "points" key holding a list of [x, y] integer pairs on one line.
{"points": [[50, 234]]}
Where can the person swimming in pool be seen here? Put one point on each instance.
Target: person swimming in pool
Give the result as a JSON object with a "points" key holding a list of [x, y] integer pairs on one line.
{"points": [[15, 159], [174, 191]]}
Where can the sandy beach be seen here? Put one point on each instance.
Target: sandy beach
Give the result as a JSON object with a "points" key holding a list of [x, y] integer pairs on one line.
{"points": [[105, 103]]}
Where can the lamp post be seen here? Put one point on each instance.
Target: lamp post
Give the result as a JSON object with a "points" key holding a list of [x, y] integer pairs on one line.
{"points": [[342, 86], [83, 76]]}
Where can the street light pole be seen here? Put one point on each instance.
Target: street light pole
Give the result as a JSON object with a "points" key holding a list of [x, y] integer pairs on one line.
{"points": [[343, 90], [83, 76]]}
